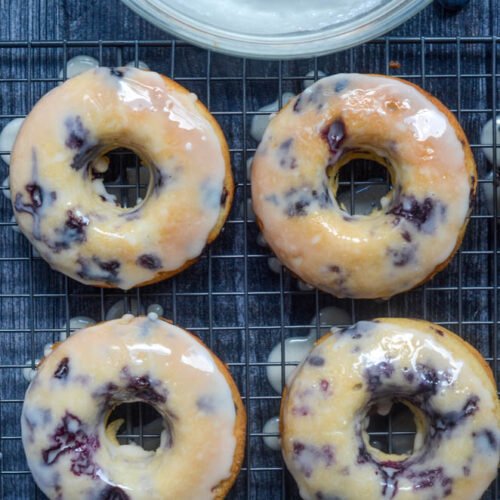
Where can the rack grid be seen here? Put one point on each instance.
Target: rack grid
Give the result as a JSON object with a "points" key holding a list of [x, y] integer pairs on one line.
{"points": [[231, 298]]}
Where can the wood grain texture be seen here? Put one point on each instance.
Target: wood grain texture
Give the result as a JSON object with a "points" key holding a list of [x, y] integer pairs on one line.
{"points": [[230, 297]]}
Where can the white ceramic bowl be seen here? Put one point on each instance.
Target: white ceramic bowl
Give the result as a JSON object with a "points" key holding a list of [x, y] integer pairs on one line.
{"points": [[273, 29]]}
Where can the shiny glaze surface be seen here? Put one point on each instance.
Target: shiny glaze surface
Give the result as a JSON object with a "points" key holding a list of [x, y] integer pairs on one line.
{"points": [[442, 379], [347, 116], [60, 201], [73, 456]]}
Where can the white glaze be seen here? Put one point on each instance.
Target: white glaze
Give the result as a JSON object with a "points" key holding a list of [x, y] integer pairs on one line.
{"points": [[121, 307], [311, 77], [487, 138], [249, 167], [303, 286], [250, 212], [77, 65], [329, 317], [488, 191], [276, 17], [5, 188], [260, 121], [28, 372], [156, 308], [114, 245], [75, 323], [420, 223], [182, 381], [272, 426], [297, 348], [8, 137], [274, 264], [14, 226], [261, 241], [140, 64], [324, 438]]}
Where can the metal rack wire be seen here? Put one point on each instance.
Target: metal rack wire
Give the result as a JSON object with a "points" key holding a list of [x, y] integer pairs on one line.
{"points": [[230, 298]]}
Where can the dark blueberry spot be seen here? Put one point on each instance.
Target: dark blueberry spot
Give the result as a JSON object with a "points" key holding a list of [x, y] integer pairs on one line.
{"points": [[335, 135], [334, 269], [402, 256], [77, 134], [206, 404], [273, 199], [438, 331], [36, 196], [99, 270], [428, 379], [315, 360], [113, 493], [70, 438], [406, 236], [223, 196], [375, 374], [286, 145], [35, 192], [62, 369], [161, 178], [418, 213], [298, 201], [449, 420], [309, 456], [298, 448], [300, 411], [327, 455], [466, 471], [324, 385], [289, 162], [149, 261], [298, 208], [408, 375], [142, 388], [73, 231], [116, 72], [85, 155], [76, 221], [297, 106], [359, 329], [110, 266], [429, 478], [341, 85], [485, 439]]}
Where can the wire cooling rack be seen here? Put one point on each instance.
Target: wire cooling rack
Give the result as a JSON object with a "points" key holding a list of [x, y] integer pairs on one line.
{"points": [[231, 298]]}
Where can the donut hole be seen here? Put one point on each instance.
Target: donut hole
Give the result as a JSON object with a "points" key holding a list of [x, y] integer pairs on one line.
{"points": [[141, 424], [359, 184], [120, 177], [391, 428]]}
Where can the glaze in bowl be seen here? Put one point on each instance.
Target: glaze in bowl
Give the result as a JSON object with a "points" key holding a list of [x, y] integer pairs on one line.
{"points": [[279, 28]]}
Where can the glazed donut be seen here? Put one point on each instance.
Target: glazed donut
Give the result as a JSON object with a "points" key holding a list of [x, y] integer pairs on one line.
{"points": [[442, 379], [422, 219], [71, 447], [59, 198]]}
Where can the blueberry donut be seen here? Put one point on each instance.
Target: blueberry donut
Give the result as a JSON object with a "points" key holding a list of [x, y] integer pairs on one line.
{"points": [[422, 219], [71, 447], [58, 195], [442, 379]]}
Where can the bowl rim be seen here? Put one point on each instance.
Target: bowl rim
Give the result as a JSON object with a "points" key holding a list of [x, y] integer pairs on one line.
{"points": [[290, 46]]}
